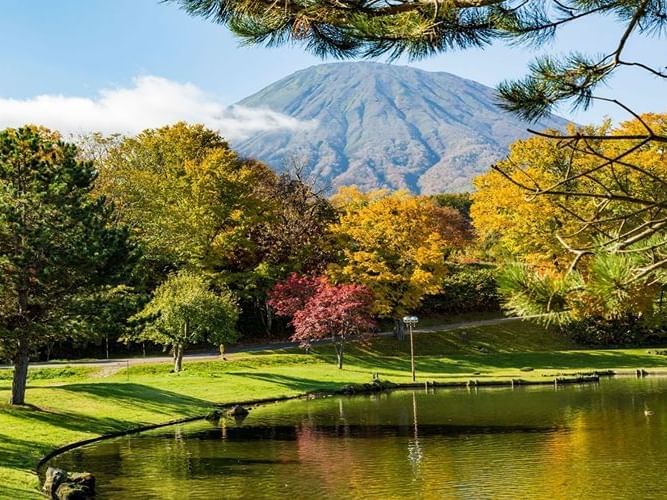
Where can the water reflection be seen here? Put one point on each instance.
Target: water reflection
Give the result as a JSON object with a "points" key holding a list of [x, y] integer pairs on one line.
{"points": [[573, 442], [415, 454]]}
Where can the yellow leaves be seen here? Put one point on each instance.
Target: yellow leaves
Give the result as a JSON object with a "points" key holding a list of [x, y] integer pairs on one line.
{"points": [[512, 222], [187, 194], [395, 244], [350, 197]]}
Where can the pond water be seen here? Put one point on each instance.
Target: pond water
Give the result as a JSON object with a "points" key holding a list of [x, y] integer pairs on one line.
{"points": [[606, 441]]}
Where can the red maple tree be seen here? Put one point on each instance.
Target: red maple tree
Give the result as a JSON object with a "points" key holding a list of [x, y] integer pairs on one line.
{"points": [[288, 297], [322, 310]]}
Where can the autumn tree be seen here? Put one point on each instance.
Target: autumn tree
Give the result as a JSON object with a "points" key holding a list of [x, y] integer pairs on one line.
{"points": [[509, 223], [462, 202], [184, 193], [598, 240], [294, 237], [184, 311], [290, 236], [291, 295], [59, 246], [366, 28], [395, 244], [321, 310]]}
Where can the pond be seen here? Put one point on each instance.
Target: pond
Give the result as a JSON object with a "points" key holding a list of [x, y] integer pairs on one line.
{"points": [[604, 441]]}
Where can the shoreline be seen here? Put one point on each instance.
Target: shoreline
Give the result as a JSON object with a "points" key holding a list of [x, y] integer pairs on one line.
{"points": [[569, 378]]}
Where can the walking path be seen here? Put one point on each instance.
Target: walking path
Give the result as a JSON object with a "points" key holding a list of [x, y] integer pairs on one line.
{"points": [[117, 364]]}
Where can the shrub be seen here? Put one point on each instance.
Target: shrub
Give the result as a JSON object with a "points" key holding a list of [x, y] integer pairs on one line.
{"points": [[624, 331], [465, 289]]}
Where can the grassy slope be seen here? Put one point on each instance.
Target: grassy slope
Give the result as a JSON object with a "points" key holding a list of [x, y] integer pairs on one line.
{"points": [[77, 403]]}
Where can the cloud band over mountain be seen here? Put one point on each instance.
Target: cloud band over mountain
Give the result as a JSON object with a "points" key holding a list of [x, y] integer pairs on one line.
{"points": [[149, 102]]}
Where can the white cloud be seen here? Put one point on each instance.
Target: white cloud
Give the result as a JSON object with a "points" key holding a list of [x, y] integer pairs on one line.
{"points": [[150, 102]]}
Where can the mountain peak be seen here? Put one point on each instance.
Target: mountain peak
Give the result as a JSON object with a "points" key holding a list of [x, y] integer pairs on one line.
{"points": [[384, 125]]}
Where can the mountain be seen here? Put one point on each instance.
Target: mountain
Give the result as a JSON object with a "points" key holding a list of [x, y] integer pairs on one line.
{"points": [[380, 125]]}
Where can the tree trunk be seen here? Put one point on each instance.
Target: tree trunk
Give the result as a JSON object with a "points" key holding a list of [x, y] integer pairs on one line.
{"points": [[178, 358], [20, 380], [264, 313], [49, 350], [339, 353], [399, 329]]}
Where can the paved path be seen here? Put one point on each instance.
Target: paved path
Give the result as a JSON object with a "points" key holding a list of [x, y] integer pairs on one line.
{"points": [[117, 364]]}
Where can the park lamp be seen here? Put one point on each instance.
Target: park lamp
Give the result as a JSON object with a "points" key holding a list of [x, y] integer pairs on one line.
{"points": [[411, 321]]}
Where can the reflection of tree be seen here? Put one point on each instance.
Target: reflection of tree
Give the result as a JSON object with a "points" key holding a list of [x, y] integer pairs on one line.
{"points": [[330, 464], [599, 444]]}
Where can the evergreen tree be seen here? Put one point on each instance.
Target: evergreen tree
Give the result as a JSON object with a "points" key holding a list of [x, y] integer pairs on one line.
{"points": [[417, 29], [59, 248]]}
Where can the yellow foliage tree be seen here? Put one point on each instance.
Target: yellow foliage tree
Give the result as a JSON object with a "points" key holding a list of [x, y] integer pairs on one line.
{"points": [[396, 245], [587, 214], [507, 220]]}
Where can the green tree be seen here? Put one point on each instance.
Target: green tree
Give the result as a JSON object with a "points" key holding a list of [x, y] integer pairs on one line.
{"points": [[184, 310], [187, 197], [59, 247]]}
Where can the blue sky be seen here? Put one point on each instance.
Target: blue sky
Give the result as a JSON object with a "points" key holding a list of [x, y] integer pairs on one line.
{"points": [[77, 48]]}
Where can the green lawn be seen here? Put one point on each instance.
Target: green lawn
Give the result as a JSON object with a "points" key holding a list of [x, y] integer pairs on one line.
{"points": [[73, 403]]}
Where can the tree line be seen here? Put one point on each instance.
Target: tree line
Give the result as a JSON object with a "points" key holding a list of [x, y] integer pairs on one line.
{"points": [[171, 238]]}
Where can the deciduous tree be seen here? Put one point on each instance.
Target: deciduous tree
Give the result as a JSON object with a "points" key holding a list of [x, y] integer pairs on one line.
{"points": [[185, 310], [321, 310], [184, 193], [396, 245], [352, 28], [290, 236], [599, 237]]}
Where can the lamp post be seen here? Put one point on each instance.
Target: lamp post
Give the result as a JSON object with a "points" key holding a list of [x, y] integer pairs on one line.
{"points": [[411, 321]]}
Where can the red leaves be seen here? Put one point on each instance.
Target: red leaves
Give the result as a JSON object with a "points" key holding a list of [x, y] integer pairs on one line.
{"points": [[320, 309], [291, 295]]}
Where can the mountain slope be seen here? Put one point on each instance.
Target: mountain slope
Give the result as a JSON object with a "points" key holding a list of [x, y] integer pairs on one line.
{"points": [[379, 125]]}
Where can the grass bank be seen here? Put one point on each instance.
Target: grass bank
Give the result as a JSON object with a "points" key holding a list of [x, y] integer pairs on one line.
{"points": [[74, 403]]}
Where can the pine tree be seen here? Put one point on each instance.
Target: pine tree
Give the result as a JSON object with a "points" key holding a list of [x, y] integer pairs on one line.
{"points": [[58, 245]]}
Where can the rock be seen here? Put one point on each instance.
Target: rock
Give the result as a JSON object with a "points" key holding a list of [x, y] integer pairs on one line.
{"points": [[72, 491], [61, 485], [54, 478], [85, 479], [214, 416], [527, 369], [348, 390], [239, 411], [382, 385]]}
